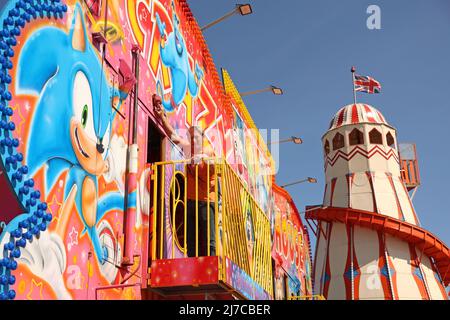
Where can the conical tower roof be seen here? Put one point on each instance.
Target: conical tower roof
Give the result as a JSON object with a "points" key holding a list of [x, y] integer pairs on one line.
{"points": [[356, 113]]}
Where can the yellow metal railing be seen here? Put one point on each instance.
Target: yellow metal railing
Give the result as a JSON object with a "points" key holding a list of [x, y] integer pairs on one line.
{"points": [[241, 213], [311, 297], [241, 230]]}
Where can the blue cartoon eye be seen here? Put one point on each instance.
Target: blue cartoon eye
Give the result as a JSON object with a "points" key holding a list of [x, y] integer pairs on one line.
{"points": [[82, 104]]}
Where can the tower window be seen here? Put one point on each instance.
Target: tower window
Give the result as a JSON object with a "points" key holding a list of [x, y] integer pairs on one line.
{"points": [[356, 137], [338, 141], [326, 147], [375, 137], [390, 140]]}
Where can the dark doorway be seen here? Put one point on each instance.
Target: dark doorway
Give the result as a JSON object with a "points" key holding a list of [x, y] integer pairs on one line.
{"points": [[154, 154], [154, 143]]}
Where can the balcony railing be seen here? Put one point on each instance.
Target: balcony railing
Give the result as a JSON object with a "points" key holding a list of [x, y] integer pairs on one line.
{"points": [[410, 173], [204, 209], [408, 165]]}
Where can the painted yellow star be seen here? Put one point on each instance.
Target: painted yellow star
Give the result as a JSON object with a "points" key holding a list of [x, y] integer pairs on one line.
{"points": [[34, 285], [51, 205], [22, 121]]}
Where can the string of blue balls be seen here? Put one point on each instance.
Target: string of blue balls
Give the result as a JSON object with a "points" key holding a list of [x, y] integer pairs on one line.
{"points": [[37, 218]]}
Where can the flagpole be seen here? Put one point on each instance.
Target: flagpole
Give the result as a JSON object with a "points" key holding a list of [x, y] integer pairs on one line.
{"points": [[353, 82]]}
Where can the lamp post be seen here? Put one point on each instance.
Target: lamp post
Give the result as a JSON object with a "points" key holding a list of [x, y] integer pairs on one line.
{"points": [[242, 9], [293, 139], [309, 180], [275, 90]]}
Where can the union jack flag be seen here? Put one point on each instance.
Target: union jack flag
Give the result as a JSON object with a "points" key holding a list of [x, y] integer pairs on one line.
{"points": [[366, 84]]}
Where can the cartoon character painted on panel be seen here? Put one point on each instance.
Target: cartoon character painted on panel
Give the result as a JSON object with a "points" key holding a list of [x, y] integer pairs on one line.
{"points": [[249, 227], [71, 126], [174, 55]]}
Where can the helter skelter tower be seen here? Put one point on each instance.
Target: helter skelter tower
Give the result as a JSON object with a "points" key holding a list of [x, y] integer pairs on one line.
{"points": [[370, 244]]}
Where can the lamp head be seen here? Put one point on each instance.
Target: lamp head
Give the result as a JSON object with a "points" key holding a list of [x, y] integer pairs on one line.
{"points": [[277, 91], [312, 180], [244, 9], [297, 140]]}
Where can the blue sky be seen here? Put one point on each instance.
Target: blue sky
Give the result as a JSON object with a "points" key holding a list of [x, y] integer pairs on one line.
{"points": [[308, 47]]}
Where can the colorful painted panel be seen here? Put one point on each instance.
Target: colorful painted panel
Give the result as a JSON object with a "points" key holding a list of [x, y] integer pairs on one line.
{"points": [[185, 272], [66, 110], [250, 161], [240, 281], [77, 224], [70, 140], [290, 249]]}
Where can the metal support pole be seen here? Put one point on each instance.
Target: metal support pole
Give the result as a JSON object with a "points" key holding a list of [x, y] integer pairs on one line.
{"points": [[243, 94], [235, 10], [292, 183], [353, 82], [131, 183], [414, 193]]}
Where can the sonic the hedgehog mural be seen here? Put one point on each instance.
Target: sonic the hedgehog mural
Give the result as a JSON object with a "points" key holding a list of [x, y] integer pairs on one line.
{"points": [[70, 133]]}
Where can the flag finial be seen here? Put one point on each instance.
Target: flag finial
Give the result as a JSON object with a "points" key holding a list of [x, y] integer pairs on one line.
{"points": [[353, 83]]}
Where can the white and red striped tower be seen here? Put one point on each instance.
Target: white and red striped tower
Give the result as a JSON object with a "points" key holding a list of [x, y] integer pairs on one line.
{"points": [[369, 241]]}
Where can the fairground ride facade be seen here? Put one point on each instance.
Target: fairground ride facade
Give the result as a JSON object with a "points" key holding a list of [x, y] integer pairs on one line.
{"points": [[95, 196]]}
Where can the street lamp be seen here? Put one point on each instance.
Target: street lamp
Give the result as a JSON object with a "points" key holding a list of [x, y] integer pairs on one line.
{"points": [[275, 90], [242, 9], [293, 139], [309, 180]]}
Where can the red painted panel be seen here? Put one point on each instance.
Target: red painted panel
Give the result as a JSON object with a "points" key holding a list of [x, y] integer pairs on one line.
{"points": [[185, 272]]}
